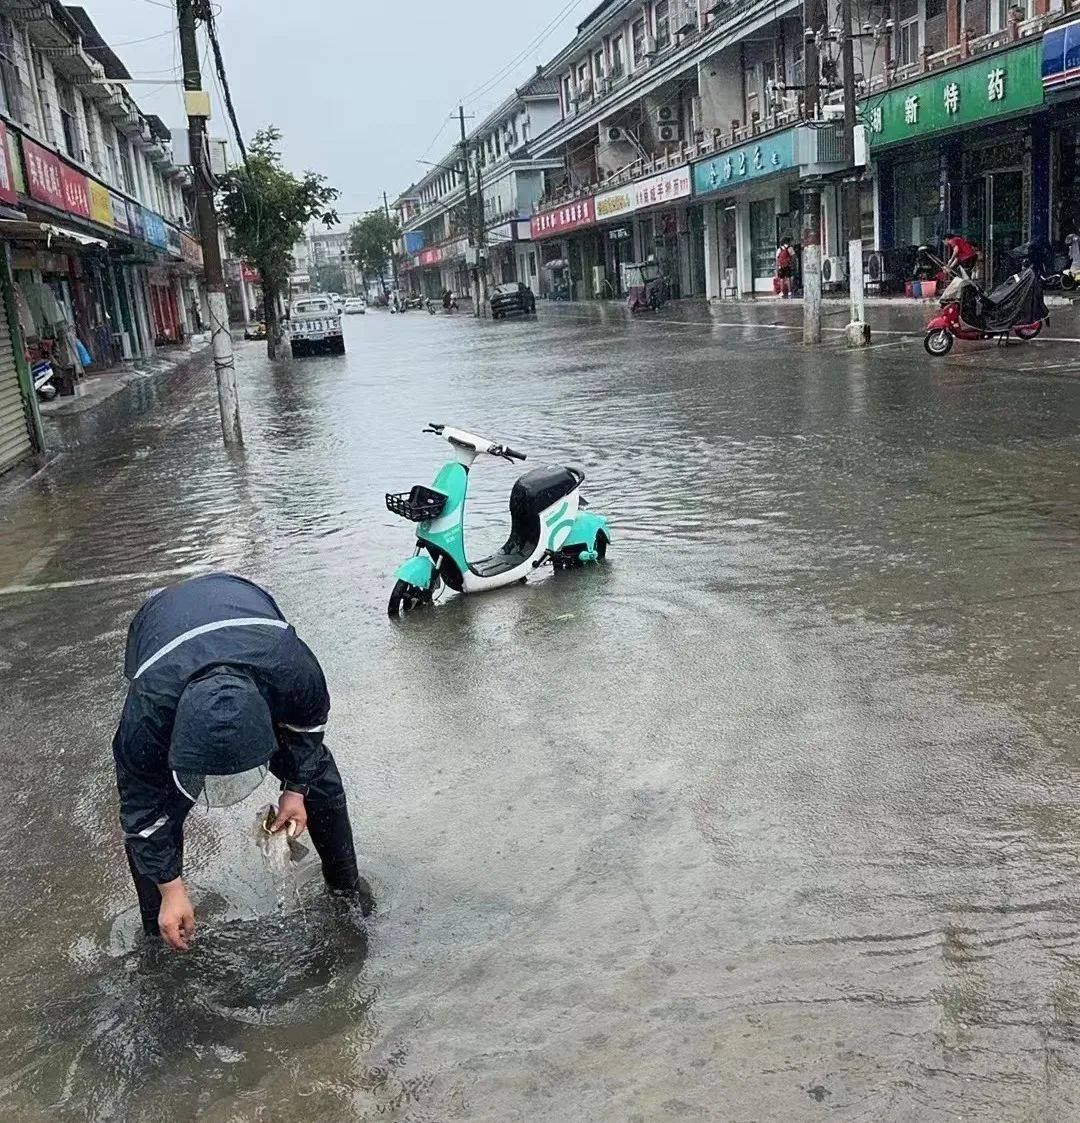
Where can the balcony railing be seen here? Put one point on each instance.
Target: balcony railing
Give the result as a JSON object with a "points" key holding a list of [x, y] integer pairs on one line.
{"points": [[1016, 31], [714, 142]]}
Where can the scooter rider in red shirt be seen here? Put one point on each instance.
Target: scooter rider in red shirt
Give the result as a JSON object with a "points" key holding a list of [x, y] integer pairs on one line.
{"points": [[963, 255]]}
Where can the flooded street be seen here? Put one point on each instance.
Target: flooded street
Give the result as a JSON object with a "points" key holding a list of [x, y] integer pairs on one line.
{"points": [[774, 816]]}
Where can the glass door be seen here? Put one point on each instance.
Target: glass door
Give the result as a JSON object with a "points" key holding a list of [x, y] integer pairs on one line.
{"points": [[1005, 203]]}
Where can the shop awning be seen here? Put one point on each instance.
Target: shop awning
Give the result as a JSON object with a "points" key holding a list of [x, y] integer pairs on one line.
{"points": [[46, 232]]}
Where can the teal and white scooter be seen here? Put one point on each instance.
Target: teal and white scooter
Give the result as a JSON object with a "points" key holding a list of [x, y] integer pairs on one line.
{"points": [[545, 525]]}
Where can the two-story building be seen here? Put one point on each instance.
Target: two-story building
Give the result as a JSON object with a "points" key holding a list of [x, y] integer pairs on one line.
{"points": [[505, 181], [95, 213]]}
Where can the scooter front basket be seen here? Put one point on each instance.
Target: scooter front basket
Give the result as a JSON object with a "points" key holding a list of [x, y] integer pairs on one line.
{"points": [[419, 505]]}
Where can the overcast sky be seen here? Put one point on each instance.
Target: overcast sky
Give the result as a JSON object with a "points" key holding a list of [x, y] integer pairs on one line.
{"points": [[359, 89]]}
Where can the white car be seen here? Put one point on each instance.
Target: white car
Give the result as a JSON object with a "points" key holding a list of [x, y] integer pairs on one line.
{"points": [[354, 304], [315, 325]]}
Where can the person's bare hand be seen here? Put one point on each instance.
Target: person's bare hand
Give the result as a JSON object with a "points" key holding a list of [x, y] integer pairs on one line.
{"points": [[291, 809], [176, 917]]}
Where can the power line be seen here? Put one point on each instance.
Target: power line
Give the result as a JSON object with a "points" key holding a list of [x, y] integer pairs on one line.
{"points": [[219, 64], [477, 93]]}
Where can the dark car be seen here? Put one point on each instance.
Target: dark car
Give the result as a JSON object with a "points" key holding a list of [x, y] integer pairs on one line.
{"points": [[513, 297]]}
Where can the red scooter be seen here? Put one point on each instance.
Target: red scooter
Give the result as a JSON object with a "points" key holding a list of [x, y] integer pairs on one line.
{"points": [[967, 312]]}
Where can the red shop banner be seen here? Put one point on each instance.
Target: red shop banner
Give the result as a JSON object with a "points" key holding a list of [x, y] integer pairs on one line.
{"points": [[430, 257], [568, 216], [43, 175], [75, 190]]}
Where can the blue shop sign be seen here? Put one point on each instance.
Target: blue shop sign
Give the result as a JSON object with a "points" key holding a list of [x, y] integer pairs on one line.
{"points": [[154, 226], [414, 241], [1061, 57], [729, 170]]}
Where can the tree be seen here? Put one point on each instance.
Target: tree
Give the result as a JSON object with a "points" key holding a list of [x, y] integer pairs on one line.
{"points": [[371, 242], [266, 209], [330, 278]]}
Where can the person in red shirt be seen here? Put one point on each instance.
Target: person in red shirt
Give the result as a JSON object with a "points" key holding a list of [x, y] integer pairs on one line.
{"points": [[963, 254], [785, 266]]}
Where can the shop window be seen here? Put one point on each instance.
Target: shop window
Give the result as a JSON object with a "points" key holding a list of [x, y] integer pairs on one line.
{"points": [[10, 88], [763, 237], [637, 33], [69, 120], [917, 203], [662, 23]]}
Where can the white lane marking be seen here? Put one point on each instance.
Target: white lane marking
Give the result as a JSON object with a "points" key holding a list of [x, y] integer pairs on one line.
{"points": [[202, 629], [113, 579]]}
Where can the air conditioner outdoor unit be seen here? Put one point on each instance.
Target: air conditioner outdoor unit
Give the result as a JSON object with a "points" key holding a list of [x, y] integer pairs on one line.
{"points": [[833, 271], [616, 134], [667, 115], [667, 134]]}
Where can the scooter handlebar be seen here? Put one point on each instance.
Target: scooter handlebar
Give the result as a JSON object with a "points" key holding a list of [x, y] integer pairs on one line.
{"points": [[434, 427], [506, 452]]}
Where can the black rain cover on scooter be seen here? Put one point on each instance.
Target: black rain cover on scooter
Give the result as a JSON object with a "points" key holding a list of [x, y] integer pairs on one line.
{"points": [[1019, 300]]}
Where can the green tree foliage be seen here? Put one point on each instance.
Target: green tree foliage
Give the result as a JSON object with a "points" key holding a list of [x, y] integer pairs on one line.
{"points": [[266, 209], [371, 241]]}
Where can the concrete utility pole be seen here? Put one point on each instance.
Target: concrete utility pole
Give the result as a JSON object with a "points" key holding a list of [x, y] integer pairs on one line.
{"points": [[393, 256], [811, 235], [858, 330], [197, 104], [468, 207]]}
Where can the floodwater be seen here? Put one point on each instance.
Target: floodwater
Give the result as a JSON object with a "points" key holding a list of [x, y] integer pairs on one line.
{"points": [[776, 816]]}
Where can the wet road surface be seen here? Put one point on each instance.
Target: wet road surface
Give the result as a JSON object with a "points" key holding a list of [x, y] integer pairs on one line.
{"points": [[773, 817]]}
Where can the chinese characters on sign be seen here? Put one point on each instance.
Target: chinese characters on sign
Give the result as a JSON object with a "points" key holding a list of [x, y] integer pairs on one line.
{"points": [[100, 204], [662, 188], [1008, 82], [771, 154], [42, 175], [75, 192], [429, 256], [570, 216]]}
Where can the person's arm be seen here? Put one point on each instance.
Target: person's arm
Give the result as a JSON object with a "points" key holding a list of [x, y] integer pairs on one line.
{"points": [[152, 818], [300, 705]]}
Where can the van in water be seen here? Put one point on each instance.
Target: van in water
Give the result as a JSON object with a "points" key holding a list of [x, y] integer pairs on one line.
{"points": [[314, 326]]}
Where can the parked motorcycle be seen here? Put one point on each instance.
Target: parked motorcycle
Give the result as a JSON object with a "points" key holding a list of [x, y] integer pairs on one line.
{"points": [[43, 381], [1016, 306], [1070, 275]]}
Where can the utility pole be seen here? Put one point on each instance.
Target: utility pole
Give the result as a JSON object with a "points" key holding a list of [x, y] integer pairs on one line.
{"points": [[858, 330], [393, 256], [197, 104], [811, 235], [468, 205]]}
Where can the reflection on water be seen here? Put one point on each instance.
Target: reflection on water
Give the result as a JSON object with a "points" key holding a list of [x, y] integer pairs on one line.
{"points": [[772, 817]]}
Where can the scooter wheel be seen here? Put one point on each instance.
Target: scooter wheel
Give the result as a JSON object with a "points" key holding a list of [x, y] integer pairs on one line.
{"points": [[404, 598], [1068, 281], [938, 342]]}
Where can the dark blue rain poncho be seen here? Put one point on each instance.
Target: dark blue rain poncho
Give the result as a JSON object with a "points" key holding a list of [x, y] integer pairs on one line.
{"points": [[217, 634]]}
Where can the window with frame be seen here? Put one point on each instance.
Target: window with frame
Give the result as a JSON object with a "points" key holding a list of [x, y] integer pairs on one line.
{"points": [[10, 87], [43, 94], [662, 24], [618, 57], [908, 42], [92, 137], [567, 89], [598, 67], [69, 120], [127, 174], [637, 38], [583, 82]]}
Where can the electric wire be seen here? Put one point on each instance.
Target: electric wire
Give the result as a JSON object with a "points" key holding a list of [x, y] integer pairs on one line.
{"points": [[219, 65]]}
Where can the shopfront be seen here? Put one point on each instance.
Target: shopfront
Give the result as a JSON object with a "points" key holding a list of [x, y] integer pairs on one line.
{"points": [[1061, 89], [749, 197], [571, 248], [963, 151]]}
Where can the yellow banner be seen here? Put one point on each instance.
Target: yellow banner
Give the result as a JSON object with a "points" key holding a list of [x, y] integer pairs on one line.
{"points": [[100, 204]]}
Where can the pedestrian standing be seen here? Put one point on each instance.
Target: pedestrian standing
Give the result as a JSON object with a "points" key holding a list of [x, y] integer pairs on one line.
{"points": [[221, 692], [785, 267]]}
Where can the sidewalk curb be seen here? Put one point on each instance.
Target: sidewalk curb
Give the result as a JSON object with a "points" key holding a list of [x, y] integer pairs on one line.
{"points": [[100, 387]]}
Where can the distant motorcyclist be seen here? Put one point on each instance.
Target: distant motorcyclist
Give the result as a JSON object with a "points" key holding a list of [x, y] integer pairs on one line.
{"points": [[222, 691]]}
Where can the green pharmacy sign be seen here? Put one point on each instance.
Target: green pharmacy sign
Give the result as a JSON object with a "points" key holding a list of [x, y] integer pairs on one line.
{"points": [[999, 84]]}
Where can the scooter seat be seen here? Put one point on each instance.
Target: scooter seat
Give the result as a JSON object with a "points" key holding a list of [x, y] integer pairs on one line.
{"points": [[538, 489]]}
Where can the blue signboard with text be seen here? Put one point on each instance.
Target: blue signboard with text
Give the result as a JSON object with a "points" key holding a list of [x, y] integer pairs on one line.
{"points": [[414, 241], [154, 226], [729, 170]]}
